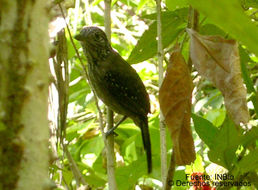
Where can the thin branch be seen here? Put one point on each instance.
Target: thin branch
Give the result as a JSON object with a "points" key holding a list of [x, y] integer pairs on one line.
{"points": [[76, 15], [75, 170], [109, 144], [62, 83], [95, 97], [171, 172], [196, 20], [163, 143], [71, 38], [87, 14], [84, 69]]}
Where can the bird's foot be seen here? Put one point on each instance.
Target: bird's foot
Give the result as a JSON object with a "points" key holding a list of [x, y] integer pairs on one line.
{"points": [[111, 132]]}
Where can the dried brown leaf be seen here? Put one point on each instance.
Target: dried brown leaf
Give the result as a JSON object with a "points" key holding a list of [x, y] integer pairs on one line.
{"points": [[217, 59], [175, 104]]}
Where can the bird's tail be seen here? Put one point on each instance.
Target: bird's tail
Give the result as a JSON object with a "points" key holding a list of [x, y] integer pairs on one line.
{"points": [[146, 141]]}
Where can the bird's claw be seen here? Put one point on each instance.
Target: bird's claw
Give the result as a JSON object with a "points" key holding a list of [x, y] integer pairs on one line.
{"points": [[111, 131]]}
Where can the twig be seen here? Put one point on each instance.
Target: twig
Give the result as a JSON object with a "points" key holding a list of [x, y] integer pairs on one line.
{"points": [[109, 144], [163, 143], [189, 25], [87, 14], [75, 170], [171, 172], [62, 84], [76, 14], [84, 69], [196, 20], [87, 79], [71, 38]]}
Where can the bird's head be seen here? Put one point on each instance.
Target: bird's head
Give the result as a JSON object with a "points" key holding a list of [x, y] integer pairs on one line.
{"points": [[94, 42]]}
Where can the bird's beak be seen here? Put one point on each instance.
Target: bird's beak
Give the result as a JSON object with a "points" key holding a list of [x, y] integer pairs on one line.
{"points": [[78, 37]]}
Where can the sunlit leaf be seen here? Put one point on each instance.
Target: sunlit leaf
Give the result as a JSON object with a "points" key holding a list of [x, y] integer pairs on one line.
{"points": [[95, 180], [94, 145], [205, 130], [225, 145], [249, 162], [211, 29], [176, 4], [250, 3], [130, 174], [197, 166], [95, 2], [244, 57], [250, 137], [216, 116], [175, 102], [172, 25], [217, 59], [130, 152], [73, 131]]}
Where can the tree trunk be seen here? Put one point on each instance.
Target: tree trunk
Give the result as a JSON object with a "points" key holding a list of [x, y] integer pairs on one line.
{"points": [[24, 79]]}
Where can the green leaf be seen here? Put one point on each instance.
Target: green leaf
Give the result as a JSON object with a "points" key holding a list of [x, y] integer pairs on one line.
{"points": [[230, 17], [153, 16], [70, 49], [250, 137], [95, 180], [225, 145], [78, 95], [206, 130], [211, 29], [244, 58], [94, 145], [250, 3], [249, 162], [141, 4], [129, 148], [130, 152], [216, 116], [176, 4], [197, 166], [179, 177], [172, 24], [2, 126], [67, 175], [95, 2], [128, 176], [78, 129]]}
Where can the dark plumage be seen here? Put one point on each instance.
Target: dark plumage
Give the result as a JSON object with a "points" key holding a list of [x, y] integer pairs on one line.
{"points": [[115, 82]]}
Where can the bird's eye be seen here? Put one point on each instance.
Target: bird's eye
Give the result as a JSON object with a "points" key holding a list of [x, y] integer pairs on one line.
{"points": [[97, 36]]}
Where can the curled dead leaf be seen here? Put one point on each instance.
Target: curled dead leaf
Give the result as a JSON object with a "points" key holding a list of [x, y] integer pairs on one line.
{"points": [[175, 103], [217, 59]]}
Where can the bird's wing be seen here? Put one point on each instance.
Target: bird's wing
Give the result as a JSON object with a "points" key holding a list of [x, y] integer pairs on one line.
{"points": [[126, 87]]}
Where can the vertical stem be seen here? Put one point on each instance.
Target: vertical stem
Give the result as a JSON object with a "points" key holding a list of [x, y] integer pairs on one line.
{"points": [[87, 17], [171, 172], [74, 166], [110, 139], [76, 14], [196, 20], [110, 153], [163, 144], [190, 25], [107, 19]]}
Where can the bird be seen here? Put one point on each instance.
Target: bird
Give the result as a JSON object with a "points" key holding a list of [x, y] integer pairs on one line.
{"points": [[116, 82]]}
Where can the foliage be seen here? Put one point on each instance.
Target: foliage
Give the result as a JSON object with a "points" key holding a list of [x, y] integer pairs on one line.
{"points": [[217, 139]]}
